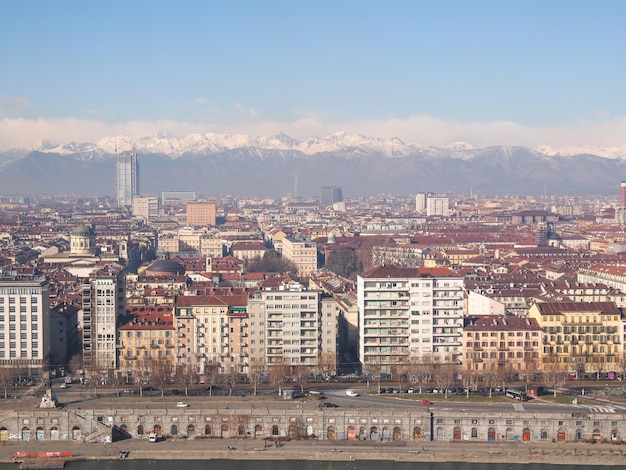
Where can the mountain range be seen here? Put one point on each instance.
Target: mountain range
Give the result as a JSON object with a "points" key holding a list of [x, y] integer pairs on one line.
{"points": [[243, 165]]}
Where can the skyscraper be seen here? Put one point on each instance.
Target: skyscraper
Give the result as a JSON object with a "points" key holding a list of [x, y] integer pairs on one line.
{"points": [[127, 177], [331, 194]]}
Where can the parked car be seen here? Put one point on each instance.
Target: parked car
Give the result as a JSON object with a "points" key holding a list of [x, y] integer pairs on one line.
{"points": [[328, 404], [181, 404], [63, 385], [152, 437], [352, 393]]}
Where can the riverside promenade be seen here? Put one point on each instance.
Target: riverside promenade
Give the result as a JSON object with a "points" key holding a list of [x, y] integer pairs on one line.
{"points": [[253, 449]]}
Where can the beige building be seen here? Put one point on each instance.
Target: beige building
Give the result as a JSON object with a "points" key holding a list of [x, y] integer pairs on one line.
{"points": [[201, 213], [147, 344], [146, 207], [500, 343], [580, 337], [302, 254], [212, 332]]}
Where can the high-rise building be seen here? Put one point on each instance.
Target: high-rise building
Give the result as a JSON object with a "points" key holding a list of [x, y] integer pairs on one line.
{"points": [[201, 213], [104, 300], [420, 202], [331, 195], [409, 314], [623, 194], [127, 179], [24, 323], [438, 206], [146, 207]]}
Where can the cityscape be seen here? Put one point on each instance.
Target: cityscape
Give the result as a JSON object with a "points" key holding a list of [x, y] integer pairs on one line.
{"points": [[313, 231], [139, 288]]}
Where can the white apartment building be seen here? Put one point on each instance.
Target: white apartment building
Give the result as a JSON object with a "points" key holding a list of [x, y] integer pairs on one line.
{"points": [[285, 327], [24, 323], [302, 254], [408, 313], [437, 206], [146, 207]]}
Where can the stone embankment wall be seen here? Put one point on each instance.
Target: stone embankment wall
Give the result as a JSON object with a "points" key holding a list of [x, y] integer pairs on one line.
{"points": [[386, 425]]}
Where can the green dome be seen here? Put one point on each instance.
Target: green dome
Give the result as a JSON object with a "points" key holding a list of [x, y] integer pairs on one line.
{"points": [[82, 230]]}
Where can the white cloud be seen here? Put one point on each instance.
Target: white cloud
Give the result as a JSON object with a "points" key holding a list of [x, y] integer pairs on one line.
{"points": [[422, 129]]}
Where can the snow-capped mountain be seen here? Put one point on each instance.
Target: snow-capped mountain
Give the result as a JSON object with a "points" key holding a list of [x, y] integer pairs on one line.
{"points": [[355, 145], [213, 163]]}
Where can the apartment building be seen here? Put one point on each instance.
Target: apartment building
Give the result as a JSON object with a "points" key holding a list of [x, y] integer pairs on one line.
{"points": [[147, 343], [407, 313], [146, 207], [580, 337], [201, 213], [500, 343], [24, 323], [302, 254], [286, 326], [212, 333], [103, 302]]}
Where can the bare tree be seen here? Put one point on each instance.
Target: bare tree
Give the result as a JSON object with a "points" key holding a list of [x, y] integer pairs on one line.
{"points": [[76, 363], [491, 379], [301, 376], [184, 376], [256, 374], [554, 374], [327, 364], [445, 374], [278, 375], [6, 379], [420, 370], [161, 372]]}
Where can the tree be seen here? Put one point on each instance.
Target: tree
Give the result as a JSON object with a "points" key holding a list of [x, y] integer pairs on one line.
{"points": [[420, 370], [161, 372], [554, 374], [278, 375], [76, 364], [342, 262], [327, 364], [445, 374], [184, 376], [271, 262], [301, 376], [256, 374], [6, 379]]}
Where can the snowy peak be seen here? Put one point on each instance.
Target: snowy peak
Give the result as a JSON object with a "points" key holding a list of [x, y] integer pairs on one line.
{"points": [[347, 145]]}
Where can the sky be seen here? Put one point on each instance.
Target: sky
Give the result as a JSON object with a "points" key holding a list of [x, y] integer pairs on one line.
{"points": [[534, 73]]}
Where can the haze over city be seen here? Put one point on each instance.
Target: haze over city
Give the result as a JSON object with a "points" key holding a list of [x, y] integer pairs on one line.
{"points": [[545, 75]]}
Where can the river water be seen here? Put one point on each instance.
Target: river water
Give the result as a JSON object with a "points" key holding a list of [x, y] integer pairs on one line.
{"points": [[299, 465]]}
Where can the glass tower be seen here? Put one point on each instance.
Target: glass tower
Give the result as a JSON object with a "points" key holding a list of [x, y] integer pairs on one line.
{"points": [[127, 186]]}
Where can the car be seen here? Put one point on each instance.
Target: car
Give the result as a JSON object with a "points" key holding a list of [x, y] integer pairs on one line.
{"points": [[63, 385], [181, 404], [426, 402], [128, 391], [328, 404], [152, 437], [352, 393]]}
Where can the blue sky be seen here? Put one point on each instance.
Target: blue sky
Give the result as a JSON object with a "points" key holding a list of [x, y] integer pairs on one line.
{"points": [[484, 72]]}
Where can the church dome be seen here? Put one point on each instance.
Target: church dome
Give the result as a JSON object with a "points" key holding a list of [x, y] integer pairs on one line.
{"points": [[83, 230], [165, 267]]}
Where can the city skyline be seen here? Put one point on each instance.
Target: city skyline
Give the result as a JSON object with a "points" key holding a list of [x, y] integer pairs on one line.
{"points": [[541, 75]]}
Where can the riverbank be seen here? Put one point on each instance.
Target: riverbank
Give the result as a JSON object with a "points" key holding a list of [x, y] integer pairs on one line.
{"points": [[251, 449]]}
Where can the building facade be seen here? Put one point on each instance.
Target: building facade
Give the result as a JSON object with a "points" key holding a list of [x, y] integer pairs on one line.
{"points": [[331, 195], [24, 323], [407, 313], [200, 213], [127, 179], [301, 253], [580, 337], [286, 327], [104, 300], [497, 343]]}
